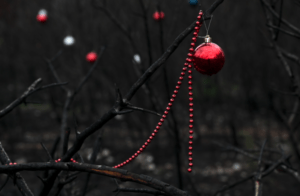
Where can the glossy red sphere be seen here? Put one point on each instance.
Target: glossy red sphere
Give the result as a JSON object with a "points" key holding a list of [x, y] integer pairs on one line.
{"points": [[42, 18], [91, 57], [162, 15], [209, 58], [158, 15]]}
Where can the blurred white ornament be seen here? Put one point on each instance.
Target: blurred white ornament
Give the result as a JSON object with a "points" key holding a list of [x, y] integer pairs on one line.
{"points": [[243, 174], [88, 152], [119, 117], [151, 167], [105, 152], [149, 159], [110, 159], [236, 166], [69, 40], [137, 58], [42, 12], [223, 178], [21, 160]]}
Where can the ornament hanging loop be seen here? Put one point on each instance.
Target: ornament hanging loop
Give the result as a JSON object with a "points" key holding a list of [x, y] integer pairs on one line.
{"points": [[207, 39]]}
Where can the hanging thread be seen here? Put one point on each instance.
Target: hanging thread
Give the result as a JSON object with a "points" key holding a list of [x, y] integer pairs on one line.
{"points": [[208, 24]]}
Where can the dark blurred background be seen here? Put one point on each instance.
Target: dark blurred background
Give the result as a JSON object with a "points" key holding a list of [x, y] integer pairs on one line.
{"points": [[238, 105]]}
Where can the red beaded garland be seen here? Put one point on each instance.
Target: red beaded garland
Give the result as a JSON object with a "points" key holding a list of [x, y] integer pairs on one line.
{"points": [[58, 160], [187, 66]]}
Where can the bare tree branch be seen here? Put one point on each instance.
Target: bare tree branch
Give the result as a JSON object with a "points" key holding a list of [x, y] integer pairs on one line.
{"points": [[31, 89], [100, 170]]}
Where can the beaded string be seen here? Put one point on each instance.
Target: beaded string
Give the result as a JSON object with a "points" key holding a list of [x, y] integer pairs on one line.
{"points": [[190, 83], [187, 66]]}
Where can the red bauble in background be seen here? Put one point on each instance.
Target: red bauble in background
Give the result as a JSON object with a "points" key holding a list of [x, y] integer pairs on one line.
{"points": [[208, 58], [158, 16], [42, 18], [91, 57], [162, 15]]}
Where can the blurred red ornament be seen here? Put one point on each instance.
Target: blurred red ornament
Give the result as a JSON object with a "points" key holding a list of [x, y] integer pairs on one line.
{"points": [[208, 58], [91, 57], [162, 15], [158, 16], [42, 18]]}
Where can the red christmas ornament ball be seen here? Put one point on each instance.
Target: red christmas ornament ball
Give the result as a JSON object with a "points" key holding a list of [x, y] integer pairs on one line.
{"points": [[162, 15], [156, 16], [91, 57], [208, 58], [42, 18]]}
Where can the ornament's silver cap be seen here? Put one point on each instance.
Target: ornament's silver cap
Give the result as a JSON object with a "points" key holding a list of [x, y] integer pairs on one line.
{"points": [[207, 39]]}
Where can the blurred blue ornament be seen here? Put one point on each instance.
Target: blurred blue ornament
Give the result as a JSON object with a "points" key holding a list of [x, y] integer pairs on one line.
{"points": [[193, 2]]}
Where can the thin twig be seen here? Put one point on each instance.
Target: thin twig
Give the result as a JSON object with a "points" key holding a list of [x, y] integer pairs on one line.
{"points": [[83, 81], [51, 67], [285, 31], [48, 153], [6, 181], [269, 7], [146, 26], [31, 89], [66, 140], [257, 179], [143, 110], [279, 20], [16, 176], [96, 150]]}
